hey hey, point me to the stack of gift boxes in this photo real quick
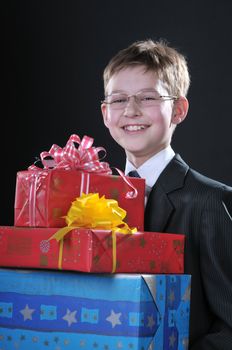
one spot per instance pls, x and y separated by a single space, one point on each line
88 286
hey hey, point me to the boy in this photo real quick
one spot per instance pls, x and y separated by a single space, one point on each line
145 99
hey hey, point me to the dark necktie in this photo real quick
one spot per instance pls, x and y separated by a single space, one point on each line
133 173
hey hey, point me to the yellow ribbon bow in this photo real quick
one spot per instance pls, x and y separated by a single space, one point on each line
94 212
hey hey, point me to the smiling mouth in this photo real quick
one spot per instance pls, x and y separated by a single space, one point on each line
134 127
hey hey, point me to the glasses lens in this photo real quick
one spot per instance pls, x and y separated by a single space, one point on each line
117 101
148 98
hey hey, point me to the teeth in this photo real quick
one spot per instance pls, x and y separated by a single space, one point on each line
134 127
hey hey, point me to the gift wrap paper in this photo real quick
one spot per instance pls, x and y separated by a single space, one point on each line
91 250
43 197
57 310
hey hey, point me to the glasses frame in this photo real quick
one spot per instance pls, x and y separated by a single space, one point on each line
159 98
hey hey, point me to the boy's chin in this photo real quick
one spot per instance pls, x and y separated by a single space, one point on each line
135 153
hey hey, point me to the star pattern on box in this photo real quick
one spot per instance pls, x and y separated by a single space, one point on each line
185 343
172 340
27 313
70 317
151 321
187 294
82 343
119 345
113 318
171 297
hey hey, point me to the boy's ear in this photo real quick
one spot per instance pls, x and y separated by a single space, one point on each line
180 110
104 114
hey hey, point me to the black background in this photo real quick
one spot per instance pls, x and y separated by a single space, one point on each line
54 55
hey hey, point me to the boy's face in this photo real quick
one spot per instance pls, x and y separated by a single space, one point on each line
141 131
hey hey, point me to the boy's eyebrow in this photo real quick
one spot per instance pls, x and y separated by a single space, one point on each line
117 92
124 92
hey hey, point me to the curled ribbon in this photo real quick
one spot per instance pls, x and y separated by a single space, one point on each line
84 157
94 212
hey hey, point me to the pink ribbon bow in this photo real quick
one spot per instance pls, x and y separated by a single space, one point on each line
84 157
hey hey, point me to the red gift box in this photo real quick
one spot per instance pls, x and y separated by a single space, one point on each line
92 251
44 196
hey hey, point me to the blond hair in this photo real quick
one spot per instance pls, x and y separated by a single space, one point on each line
169 65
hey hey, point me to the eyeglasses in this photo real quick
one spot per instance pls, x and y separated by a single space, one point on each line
142 98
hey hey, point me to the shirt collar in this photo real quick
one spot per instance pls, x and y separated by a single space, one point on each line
153 167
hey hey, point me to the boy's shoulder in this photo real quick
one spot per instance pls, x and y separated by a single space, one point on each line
206 183
179 174
206 187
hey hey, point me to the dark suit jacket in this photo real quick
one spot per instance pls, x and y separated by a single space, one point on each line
184 201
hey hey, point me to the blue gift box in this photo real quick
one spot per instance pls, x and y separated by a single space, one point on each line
69 311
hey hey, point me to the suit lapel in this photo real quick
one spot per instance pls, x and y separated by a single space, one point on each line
159 206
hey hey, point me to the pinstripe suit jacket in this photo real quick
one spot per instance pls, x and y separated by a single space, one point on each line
184 201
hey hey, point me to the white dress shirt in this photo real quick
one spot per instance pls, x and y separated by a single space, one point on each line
152 168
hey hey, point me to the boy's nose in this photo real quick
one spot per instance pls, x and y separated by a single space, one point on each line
132 108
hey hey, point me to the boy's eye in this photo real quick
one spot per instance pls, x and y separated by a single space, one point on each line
148 98
118 100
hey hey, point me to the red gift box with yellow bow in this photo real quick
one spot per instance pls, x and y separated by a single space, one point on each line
90 250
44 195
